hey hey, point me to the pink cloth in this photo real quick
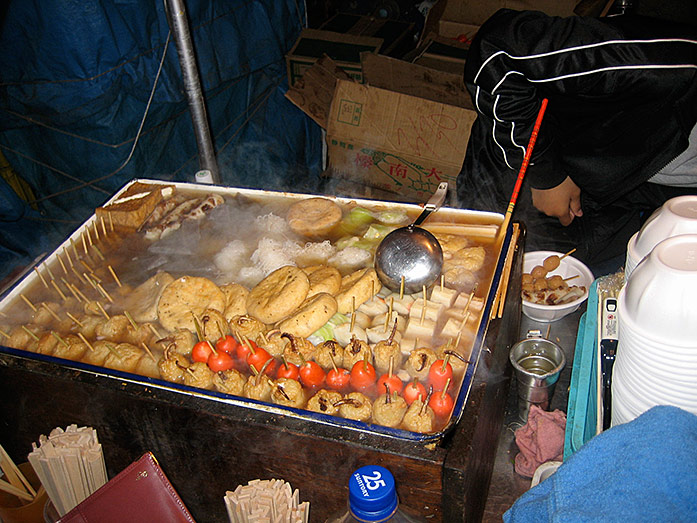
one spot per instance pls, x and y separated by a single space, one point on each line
540 440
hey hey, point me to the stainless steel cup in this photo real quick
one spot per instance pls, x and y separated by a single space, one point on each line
538 363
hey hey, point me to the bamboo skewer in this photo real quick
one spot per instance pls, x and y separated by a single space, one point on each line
103 226
80 324
36 338
152 357
26 300
84 340
65 270
101 309
58 290
116 279
41 276
105 293
51 312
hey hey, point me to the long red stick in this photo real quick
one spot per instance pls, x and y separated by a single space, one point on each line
523 168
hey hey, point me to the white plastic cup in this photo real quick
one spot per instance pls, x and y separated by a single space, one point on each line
205 176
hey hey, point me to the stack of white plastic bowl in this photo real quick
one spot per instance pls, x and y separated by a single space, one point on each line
676 216
656 362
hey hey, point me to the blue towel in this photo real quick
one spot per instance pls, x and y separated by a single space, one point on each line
644 470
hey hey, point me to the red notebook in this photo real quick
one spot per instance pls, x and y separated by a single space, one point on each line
141 492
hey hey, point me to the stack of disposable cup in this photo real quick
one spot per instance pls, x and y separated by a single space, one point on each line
656 362
676 216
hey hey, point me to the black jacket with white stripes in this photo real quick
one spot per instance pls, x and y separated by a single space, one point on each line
622 98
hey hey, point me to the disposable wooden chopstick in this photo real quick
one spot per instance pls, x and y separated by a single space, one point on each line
15 491
506 276
13 473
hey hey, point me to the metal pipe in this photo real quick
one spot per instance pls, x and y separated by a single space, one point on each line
179 24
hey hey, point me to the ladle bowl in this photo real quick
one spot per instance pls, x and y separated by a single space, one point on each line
410 257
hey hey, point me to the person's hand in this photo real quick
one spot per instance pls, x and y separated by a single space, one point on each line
562 202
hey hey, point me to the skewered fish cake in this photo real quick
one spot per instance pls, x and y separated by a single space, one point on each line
326 352
273 341
229 382
258 387
213 324
419 362
124 356
246 326
357 350
299 350
100 350
114 329
187 295
387 353
288 392
72 348
324 402
180 341
199 375
356 406
172 365
389 409
419 417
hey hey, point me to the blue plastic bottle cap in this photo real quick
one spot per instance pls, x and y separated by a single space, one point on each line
372 493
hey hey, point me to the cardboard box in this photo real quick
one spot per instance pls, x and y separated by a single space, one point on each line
460 19
343 49
313 92
404 131
396 34
444 54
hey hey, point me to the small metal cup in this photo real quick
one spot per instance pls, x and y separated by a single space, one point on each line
538 363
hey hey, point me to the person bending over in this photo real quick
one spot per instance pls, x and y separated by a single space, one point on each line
618 138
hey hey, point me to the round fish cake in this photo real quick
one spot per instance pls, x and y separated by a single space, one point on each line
236 300
323 278
357 288
187 295
313 217
278 295
311 315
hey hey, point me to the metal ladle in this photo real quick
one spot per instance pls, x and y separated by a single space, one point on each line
411 256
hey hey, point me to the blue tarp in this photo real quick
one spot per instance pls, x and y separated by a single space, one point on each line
75 79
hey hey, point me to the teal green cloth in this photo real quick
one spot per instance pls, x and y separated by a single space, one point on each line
644 470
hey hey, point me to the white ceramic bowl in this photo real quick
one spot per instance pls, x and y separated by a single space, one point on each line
676 216
658 299
568 267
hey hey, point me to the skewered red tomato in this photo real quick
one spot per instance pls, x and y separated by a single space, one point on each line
244 349
442 403
362 375
413 390
311 374
288 370
440 373
258 358
201 351
226 344
220 361
392 381
338 378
